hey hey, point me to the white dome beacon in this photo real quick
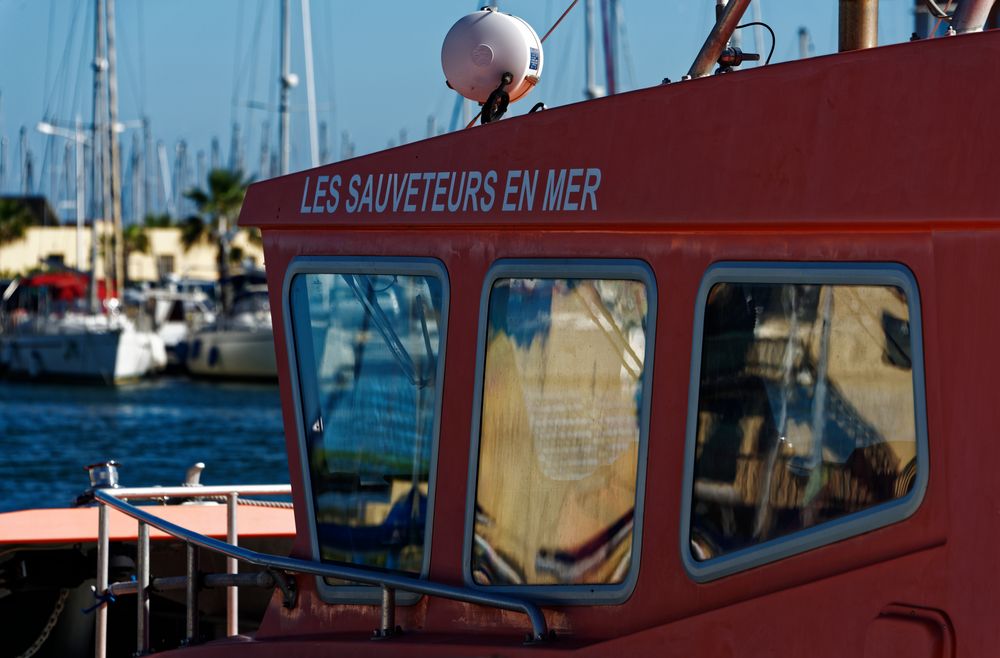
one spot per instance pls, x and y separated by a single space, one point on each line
492 58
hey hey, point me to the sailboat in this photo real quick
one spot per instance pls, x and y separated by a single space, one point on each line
240 343
46 335
67 324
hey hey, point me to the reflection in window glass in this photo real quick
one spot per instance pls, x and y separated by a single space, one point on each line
368 347
805 410
559 438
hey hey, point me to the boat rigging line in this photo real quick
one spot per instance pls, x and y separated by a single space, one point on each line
559 20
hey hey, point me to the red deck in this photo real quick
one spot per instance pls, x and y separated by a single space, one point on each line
79 524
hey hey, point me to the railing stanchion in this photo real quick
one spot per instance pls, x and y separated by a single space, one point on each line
191 594
232 567
142 592
388 626
101 614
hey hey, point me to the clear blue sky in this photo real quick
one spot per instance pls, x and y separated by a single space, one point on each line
192 66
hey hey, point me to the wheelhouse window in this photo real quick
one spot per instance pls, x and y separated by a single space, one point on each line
562 430
368 347
809 411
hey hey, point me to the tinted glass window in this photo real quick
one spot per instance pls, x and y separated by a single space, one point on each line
368 351
560 429
805 410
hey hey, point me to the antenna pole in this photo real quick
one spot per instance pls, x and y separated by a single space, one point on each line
858 24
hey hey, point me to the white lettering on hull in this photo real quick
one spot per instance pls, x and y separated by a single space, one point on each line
572 189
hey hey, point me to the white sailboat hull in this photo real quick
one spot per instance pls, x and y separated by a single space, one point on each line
233 354
108 355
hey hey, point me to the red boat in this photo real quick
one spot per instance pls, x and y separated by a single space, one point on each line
581 382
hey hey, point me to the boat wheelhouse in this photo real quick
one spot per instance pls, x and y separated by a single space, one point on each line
585 359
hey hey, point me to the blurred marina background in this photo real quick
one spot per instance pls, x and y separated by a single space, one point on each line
135 170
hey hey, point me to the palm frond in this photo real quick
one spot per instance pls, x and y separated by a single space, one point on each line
193 231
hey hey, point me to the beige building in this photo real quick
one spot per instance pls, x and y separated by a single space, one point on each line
166 253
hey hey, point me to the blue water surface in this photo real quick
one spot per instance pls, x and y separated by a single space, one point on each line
155 428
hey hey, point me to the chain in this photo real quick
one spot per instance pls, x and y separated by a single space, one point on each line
53 618
251 502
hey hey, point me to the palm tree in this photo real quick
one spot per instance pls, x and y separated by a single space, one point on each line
135 240
161 220
14 221
221 203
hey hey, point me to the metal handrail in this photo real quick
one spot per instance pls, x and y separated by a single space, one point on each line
106 591
198 491
387 581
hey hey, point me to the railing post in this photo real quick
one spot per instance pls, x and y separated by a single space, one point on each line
278 566
232 567
191 595
101 614
142 592
388 625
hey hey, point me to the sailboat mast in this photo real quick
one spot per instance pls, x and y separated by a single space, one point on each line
116 165
610 32
287 82
590 61
310 83
99 66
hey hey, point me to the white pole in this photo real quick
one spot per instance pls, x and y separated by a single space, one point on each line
287 82
161 151
590 50
307 45
758 31
81 188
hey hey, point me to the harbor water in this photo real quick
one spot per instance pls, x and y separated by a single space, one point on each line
155 428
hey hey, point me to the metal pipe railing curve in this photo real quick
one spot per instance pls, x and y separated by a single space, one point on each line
112 498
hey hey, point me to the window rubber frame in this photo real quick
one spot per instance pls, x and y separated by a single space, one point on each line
333 265
850 525
566 268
